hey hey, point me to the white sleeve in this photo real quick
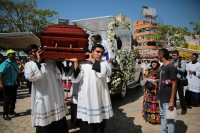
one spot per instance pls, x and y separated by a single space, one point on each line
110 54
32 72
198 70
105 69
90 44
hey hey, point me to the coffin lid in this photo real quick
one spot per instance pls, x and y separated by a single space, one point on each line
57 30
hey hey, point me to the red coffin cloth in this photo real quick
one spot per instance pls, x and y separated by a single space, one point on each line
64 41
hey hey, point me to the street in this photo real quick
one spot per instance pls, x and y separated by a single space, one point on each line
127 116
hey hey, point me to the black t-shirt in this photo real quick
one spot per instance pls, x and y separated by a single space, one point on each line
167 72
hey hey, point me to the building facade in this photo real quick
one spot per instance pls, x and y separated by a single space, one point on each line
123 19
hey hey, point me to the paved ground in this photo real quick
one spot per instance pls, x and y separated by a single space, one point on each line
127 117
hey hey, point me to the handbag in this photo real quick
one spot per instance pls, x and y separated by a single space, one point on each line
149 85
184 82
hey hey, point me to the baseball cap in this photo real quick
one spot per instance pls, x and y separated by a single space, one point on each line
10 51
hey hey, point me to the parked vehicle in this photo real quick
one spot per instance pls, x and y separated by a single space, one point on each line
99 25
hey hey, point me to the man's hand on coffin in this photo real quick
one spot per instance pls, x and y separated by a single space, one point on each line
90 59
191 72
109 60
74 61
38 54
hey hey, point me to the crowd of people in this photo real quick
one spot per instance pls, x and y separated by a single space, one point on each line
91 105
166 80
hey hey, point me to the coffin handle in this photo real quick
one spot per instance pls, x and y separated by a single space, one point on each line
56 46
70 47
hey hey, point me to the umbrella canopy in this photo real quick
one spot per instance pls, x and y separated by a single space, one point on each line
18 40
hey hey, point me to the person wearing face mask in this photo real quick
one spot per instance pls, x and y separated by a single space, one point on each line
192 94
151 112
8 82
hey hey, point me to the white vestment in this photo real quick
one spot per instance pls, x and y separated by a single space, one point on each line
47 95
193 81
94 102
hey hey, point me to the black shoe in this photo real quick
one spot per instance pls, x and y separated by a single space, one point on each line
184 111
14 113
6 117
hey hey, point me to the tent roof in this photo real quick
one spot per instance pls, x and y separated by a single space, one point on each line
18 40
21 53
97 24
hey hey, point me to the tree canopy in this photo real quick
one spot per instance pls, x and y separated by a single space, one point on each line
173 35
196 28
23 17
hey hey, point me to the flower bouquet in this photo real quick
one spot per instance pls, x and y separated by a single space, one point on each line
124 69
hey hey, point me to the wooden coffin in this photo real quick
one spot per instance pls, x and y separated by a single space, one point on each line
64 41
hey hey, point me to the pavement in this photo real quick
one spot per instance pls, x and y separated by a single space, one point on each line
127 116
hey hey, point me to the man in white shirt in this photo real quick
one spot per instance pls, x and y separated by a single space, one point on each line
192 94
108 54
91 42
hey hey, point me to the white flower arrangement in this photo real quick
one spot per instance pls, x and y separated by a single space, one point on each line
124 69
110 32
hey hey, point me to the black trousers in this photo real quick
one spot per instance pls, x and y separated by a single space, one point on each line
85 127
10 94
55 127
180 90
29 84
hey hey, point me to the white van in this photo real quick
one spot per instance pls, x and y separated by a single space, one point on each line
99 26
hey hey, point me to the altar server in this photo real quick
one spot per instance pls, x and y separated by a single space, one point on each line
49 110
94 104
192 95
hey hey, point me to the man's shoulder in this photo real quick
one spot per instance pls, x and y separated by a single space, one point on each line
170 65
104 41
5 62
29 63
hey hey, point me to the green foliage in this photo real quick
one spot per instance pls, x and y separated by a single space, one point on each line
23 16
134 42
127 26
173 35
196 28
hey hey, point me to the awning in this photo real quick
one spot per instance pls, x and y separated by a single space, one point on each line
21 53
18 40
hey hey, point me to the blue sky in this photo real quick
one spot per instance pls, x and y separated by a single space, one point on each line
175 12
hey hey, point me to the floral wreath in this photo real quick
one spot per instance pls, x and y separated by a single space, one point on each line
124 62
111 34
124 69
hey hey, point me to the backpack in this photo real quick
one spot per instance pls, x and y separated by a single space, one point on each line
184 74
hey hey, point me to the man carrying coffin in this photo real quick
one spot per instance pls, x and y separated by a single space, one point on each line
48 109
94 104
